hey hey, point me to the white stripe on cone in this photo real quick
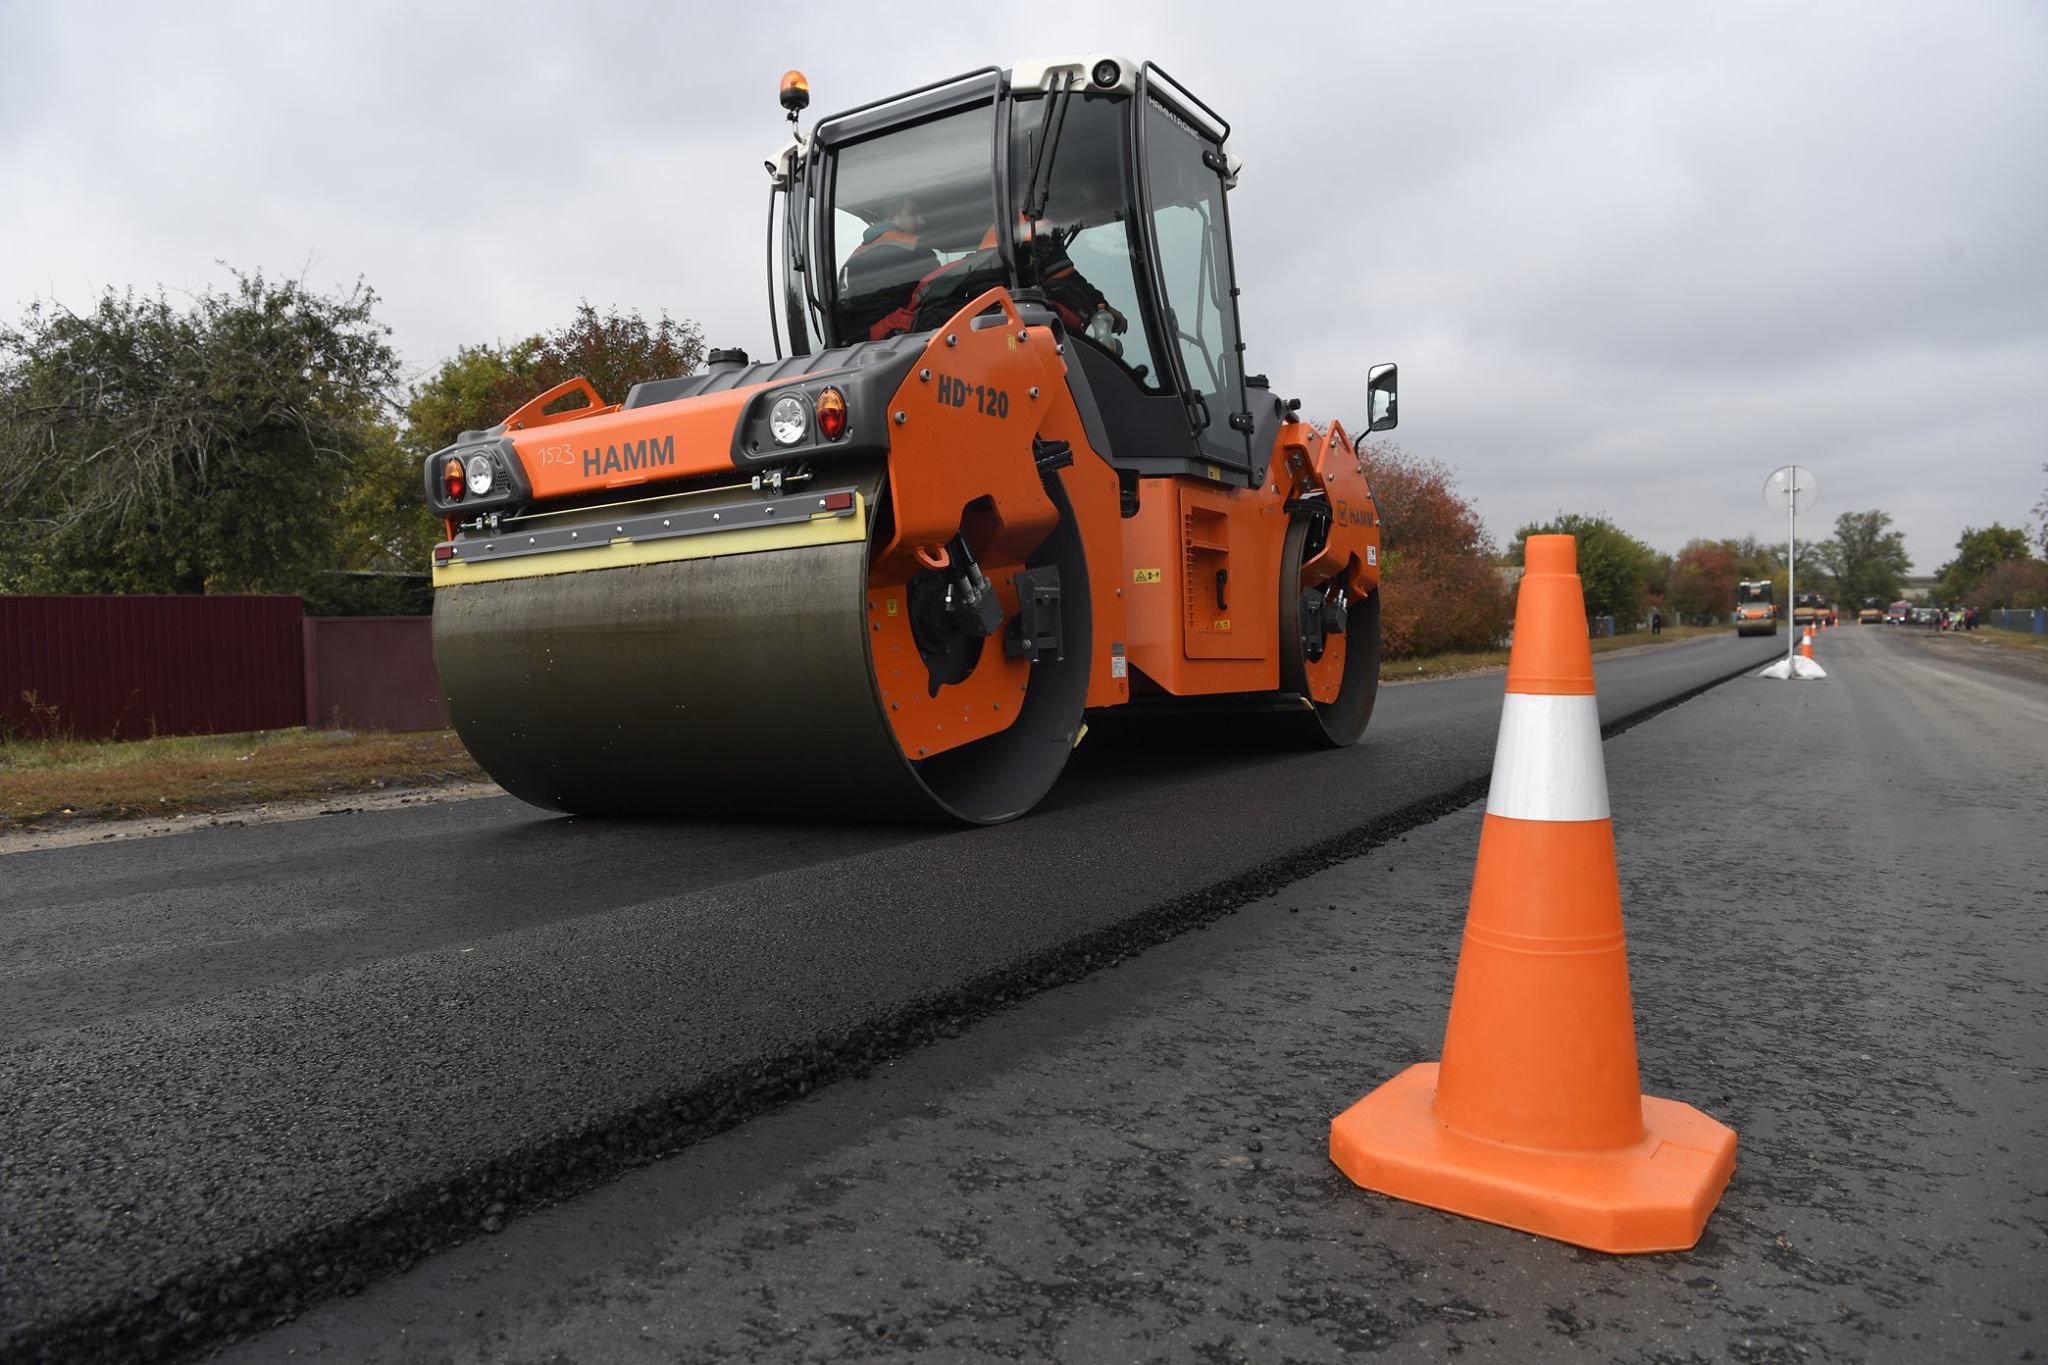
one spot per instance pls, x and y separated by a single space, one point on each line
1547 763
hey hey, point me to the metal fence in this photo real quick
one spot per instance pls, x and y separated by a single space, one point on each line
127 667
2033 622
130 666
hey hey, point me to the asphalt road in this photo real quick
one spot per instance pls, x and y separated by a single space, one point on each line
1835 897
248 1069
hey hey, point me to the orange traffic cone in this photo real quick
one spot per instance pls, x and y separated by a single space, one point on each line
1535 1119
1806 644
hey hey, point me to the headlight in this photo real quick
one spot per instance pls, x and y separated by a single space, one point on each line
481 474
788 420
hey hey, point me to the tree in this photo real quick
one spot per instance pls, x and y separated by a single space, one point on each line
148 448
2017 583
1439 587
1977 554
2041 515
1865 559
482 385
1703 577
1614 567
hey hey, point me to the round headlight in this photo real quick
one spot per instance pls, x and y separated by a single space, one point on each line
1106 74
788 420
481 474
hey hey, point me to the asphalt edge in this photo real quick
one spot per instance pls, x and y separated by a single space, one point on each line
209 1307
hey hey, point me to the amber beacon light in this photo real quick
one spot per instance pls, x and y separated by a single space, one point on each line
796 92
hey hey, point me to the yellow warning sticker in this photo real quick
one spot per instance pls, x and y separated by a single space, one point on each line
1215 473
1220 623
892 605
1144 575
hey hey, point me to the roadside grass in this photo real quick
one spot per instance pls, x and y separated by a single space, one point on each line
2009 639
58 779
1478 661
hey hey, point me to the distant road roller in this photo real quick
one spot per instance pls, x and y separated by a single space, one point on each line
1009 473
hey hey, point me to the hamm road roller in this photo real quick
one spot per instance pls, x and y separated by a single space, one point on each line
1006 471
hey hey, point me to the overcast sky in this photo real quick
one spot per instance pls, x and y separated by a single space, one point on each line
1630 257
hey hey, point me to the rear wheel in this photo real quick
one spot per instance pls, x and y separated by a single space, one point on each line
1336 671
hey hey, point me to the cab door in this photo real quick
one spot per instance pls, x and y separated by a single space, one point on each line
1187 236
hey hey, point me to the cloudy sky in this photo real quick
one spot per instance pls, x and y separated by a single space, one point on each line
1630 257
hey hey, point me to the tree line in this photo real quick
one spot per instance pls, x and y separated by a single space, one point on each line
261 437
264 437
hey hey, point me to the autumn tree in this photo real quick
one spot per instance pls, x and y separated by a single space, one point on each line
1978 552
1614 567
147 446
1703 578
2021 584
1439 588
1864 558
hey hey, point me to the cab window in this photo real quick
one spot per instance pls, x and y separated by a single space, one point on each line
905 203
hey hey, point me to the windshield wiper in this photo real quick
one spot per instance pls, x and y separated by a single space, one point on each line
1036 194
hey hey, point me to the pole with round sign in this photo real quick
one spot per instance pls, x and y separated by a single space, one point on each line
1794 489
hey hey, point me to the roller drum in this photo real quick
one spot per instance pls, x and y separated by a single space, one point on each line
726 686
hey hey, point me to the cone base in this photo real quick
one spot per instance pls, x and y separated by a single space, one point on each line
1653 1196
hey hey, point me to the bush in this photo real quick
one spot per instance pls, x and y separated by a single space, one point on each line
1439 587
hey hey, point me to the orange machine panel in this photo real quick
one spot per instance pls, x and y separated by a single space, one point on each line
1192 633
688 438
961 463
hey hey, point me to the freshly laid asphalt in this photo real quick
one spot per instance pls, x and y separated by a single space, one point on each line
1835 901
248 1069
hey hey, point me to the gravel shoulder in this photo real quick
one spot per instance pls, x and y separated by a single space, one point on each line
1835 942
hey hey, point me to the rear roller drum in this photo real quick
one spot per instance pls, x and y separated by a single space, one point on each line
1327 642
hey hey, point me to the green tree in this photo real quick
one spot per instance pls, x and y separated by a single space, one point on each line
146 447
2041 516
1865 558
1978 552
474 389
1614 566
482 385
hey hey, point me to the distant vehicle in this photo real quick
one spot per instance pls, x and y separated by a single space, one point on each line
1755 612
1898 613
1871 613
1811 609
1925 616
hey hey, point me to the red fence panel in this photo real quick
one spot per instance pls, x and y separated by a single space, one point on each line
131 666
372 673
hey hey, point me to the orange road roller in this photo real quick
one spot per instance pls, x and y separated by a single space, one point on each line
1005 473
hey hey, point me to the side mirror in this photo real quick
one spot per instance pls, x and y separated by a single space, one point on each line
1383 405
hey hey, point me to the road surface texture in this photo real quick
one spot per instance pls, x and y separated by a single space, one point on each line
1835 902
247 1069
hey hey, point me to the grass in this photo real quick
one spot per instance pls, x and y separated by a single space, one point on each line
2008 639
57 779
1477 661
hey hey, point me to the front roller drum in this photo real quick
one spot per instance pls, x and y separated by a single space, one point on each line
734 685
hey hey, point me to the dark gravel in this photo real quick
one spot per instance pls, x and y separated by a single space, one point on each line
1835 904
252 1068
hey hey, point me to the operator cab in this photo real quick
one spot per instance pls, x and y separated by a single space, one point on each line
1094 189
